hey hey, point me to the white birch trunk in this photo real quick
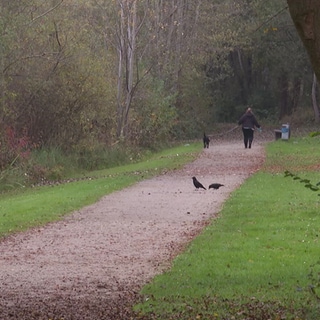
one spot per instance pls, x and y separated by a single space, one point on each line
131 52
120 51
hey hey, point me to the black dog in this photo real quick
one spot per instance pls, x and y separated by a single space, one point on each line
206 141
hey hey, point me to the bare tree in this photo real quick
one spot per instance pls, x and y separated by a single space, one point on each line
128 70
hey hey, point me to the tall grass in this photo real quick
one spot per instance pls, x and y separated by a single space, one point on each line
52 164
260 258
23 208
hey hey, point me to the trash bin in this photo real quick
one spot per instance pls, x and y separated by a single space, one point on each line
285 132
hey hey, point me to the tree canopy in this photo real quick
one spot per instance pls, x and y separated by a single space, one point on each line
75 73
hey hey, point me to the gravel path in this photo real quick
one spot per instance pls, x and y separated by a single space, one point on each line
83 266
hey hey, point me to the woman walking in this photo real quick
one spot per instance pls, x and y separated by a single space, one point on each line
249 123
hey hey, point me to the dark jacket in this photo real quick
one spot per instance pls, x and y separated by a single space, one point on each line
248 120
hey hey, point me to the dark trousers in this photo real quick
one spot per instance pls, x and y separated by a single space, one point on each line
247 136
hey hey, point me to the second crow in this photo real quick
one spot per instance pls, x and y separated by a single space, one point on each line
215 186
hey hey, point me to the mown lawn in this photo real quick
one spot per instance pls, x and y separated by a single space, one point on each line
261 258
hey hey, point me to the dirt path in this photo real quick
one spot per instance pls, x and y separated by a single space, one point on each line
80 267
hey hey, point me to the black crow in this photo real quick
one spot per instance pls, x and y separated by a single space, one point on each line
197 184
206 141
215 186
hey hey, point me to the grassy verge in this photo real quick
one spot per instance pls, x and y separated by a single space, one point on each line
260 259
31 207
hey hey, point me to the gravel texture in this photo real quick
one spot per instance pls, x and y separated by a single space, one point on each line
91 264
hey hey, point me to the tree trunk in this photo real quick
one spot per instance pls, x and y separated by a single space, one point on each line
306 18
120 51
295 94
126 48
131 51
284 107
314 100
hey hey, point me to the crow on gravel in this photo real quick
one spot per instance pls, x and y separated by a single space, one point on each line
215 186
197 184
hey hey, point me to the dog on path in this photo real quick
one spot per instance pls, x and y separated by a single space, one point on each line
206 141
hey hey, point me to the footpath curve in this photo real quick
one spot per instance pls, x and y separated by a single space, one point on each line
89 264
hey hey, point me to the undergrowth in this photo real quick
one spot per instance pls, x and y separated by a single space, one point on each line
47 165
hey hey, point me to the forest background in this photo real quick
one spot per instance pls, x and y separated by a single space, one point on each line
90 83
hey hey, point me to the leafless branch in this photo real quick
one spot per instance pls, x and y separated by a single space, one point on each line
44 55
46 12
267 21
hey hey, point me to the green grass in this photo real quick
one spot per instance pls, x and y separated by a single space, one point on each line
255 260
299 155
22 209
